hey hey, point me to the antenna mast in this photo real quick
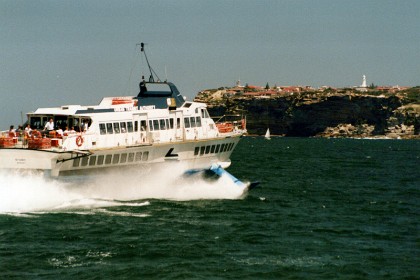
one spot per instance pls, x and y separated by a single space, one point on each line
151 78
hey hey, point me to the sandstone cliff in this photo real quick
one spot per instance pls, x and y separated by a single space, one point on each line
335 115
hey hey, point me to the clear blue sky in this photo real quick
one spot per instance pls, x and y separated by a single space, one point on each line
75 52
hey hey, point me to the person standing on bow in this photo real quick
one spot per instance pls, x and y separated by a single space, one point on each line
49 126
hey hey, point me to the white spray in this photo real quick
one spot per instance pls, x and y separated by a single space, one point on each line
31 192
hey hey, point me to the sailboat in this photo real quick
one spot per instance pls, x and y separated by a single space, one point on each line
267 134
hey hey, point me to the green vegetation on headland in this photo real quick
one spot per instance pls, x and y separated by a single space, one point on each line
391 112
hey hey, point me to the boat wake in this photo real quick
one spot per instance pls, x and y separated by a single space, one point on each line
34 192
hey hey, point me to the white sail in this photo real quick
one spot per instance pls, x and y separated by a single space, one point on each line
267 134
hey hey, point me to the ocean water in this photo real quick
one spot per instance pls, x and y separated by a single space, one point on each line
325 209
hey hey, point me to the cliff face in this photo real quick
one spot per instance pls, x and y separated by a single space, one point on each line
330 116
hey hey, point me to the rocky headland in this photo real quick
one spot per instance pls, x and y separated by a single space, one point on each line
321 113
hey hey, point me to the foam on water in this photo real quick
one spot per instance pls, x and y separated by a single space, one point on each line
32 191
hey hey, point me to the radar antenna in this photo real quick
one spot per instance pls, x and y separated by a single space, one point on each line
151 78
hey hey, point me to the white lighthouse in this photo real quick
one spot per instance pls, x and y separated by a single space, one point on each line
364 82
363 86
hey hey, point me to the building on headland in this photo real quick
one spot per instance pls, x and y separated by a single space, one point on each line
249 91
363 87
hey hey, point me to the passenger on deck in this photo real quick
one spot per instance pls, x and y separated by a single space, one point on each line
12 131
19 131
59 132
49 126
28 130
72 131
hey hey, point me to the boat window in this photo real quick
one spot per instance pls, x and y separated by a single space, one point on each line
162 124
92 160
196 151
76 124
178 123
116 127
100 160
156 124
145 156
187 104
151 125
102 128
231 146
130 157
76 162
35 122
192 120
123 127
171 123
109 129
206 114
213 147
123 158
84 161
198 121
136 126
138 156
187 122
167 124
207 149
217 148
196 110
44 121
143 125
202 150
130 126
116 159
108 159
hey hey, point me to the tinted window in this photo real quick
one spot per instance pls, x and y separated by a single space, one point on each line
123 127
109 129
108 159
130 126
138 156
162 124
155 124
100 160
213 147
151 125
76 162
123 158
198 121
116 127
116 159
130 157
187 122
92 160
102 128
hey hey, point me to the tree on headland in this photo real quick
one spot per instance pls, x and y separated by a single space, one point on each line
267 86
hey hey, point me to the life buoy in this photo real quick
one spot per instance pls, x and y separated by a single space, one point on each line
79 141
36 134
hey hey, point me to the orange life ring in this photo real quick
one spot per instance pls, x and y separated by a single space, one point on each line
79 141
36 134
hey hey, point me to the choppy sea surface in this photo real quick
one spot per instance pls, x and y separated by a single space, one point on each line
325 209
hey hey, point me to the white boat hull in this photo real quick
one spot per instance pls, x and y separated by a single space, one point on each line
191 154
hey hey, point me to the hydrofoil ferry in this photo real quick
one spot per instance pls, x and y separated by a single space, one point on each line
156 127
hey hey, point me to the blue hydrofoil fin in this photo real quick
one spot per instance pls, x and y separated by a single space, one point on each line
216 172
